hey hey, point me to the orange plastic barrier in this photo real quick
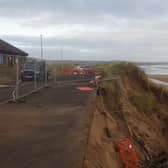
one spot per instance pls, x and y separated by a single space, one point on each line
96 79
85 88
127 153
67 71
92 82
70 71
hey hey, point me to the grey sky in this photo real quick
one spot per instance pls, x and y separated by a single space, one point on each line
88 29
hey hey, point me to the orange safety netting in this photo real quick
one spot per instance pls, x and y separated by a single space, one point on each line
85 88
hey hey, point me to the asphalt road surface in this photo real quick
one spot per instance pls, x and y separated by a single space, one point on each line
48 130
28 86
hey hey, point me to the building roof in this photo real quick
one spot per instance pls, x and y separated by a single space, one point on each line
6 48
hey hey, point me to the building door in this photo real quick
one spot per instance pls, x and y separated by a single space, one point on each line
10 61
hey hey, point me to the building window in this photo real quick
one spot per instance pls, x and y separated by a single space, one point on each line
2 59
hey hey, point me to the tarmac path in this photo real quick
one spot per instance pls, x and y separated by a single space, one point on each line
48 130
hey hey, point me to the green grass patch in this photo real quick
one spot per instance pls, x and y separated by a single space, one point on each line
144 102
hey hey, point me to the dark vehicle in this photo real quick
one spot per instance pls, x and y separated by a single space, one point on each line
32 70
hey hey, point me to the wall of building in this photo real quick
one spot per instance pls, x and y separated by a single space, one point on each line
8 68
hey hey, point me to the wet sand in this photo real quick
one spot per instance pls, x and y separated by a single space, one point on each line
163 78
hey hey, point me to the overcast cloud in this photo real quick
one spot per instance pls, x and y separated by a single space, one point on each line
131 30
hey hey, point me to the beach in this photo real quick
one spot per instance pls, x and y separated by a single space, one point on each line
156 71
163 78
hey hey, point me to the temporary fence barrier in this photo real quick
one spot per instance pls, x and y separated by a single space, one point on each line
29 78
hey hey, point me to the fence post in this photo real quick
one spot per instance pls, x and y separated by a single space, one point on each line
55 76
46 74
17 77
35 76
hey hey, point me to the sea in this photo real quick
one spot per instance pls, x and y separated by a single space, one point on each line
155 68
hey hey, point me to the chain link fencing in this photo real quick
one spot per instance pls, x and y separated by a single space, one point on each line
24 79
34 75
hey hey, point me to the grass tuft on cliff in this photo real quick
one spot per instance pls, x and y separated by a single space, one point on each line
141 91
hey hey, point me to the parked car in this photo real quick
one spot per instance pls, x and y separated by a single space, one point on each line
32 70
